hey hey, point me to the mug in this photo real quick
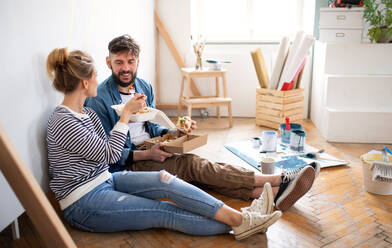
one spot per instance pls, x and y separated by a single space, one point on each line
267 165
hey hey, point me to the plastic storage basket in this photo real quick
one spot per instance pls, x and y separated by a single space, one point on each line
370 185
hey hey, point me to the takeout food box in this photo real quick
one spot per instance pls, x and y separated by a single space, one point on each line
175 144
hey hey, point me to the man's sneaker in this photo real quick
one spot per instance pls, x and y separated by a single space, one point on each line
294 185
316 167
253 222
264 204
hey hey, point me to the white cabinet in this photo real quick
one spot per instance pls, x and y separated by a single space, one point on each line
341 25
352 92
352 81
341 18
341 35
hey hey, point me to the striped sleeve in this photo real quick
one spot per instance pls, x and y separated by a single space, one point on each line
80 136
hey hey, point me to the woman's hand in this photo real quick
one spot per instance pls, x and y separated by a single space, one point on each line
135 104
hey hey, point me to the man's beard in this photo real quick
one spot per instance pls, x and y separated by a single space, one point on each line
122 84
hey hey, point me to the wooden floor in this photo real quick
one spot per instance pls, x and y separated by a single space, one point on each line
337 212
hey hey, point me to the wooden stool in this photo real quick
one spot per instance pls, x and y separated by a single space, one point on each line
204 101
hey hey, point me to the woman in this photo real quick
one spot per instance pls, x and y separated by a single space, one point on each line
95 200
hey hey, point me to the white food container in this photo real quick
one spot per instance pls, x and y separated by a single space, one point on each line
154 116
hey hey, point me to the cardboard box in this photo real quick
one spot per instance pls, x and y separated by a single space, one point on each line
273 106
182 144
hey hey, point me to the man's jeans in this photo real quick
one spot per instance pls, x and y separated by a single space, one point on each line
229 180
127 201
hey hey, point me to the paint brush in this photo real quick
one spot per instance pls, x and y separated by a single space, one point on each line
312 155
387 149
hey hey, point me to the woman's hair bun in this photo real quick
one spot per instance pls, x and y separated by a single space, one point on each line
67 69
57 59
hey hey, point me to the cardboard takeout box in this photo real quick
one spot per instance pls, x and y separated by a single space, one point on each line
182 144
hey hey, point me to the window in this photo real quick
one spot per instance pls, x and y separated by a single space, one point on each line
251 20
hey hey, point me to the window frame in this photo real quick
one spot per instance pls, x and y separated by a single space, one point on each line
197 24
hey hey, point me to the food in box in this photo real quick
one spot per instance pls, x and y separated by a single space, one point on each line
178 144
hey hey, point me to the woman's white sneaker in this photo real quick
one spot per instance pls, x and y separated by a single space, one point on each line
253 222
264 204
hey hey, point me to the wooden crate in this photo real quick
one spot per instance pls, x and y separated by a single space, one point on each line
273 106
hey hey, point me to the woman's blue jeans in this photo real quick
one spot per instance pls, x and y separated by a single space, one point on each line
128 201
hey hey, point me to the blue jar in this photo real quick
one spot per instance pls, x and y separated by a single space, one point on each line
285 134
297 140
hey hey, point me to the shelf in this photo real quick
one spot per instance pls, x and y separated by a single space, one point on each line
359 126
355 58
203 73
352 92
207 102
358 91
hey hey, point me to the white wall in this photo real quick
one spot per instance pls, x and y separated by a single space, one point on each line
30 30
175 14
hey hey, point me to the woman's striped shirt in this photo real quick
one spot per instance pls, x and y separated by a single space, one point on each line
79 152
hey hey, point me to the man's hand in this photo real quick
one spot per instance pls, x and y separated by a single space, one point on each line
193 127
156 154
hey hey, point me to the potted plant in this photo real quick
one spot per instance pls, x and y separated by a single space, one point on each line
378 13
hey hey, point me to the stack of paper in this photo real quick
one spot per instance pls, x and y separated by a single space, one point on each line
289 63
295 59
279 62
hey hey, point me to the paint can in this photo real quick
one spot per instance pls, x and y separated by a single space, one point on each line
268 141
256 142
297 140
285 134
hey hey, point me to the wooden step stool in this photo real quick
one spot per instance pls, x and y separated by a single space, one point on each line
204 101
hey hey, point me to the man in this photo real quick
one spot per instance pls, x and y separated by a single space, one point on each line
234 181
